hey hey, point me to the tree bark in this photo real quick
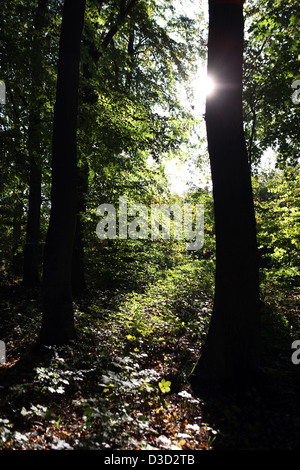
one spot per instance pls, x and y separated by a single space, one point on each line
31 274
58 316
231 349
31 266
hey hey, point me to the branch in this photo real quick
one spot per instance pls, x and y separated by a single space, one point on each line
124 11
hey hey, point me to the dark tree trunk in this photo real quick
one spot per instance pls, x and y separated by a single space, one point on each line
58 315
16 260
31 266
232 345
31 275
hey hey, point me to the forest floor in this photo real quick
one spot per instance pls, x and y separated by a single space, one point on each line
123 383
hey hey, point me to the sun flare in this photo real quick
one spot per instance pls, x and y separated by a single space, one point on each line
209 86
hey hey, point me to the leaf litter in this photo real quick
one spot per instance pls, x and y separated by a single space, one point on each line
123 384
120 385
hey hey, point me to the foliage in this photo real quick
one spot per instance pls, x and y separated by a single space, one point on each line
110 391
28 68
277 206
129 109
122 383
271 66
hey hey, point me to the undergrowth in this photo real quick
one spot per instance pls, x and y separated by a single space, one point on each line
123 383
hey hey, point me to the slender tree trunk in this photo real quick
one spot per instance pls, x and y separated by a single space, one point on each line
16 264
232 345
31 274
58 315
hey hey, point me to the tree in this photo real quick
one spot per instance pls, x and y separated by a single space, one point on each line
31 275
277 206
134 62
271 69
58 316
27 56
231 346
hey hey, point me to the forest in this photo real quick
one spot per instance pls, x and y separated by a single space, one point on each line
141 310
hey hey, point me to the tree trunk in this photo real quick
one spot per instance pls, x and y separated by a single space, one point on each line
31 275
31 268
16 263
232 345
58 315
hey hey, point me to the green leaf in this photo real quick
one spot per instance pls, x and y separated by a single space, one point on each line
165 386
131 337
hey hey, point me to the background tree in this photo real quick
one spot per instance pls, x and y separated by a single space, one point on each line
58 318
271 66
123 125
135 113
32 251
28 65
277 199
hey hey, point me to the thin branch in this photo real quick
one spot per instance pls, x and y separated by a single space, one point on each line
124 11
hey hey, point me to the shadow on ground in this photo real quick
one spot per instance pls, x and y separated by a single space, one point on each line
264 414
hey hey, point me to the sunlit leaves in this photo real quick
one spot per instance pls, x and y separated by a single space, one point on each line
277 208
164 386
271 66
